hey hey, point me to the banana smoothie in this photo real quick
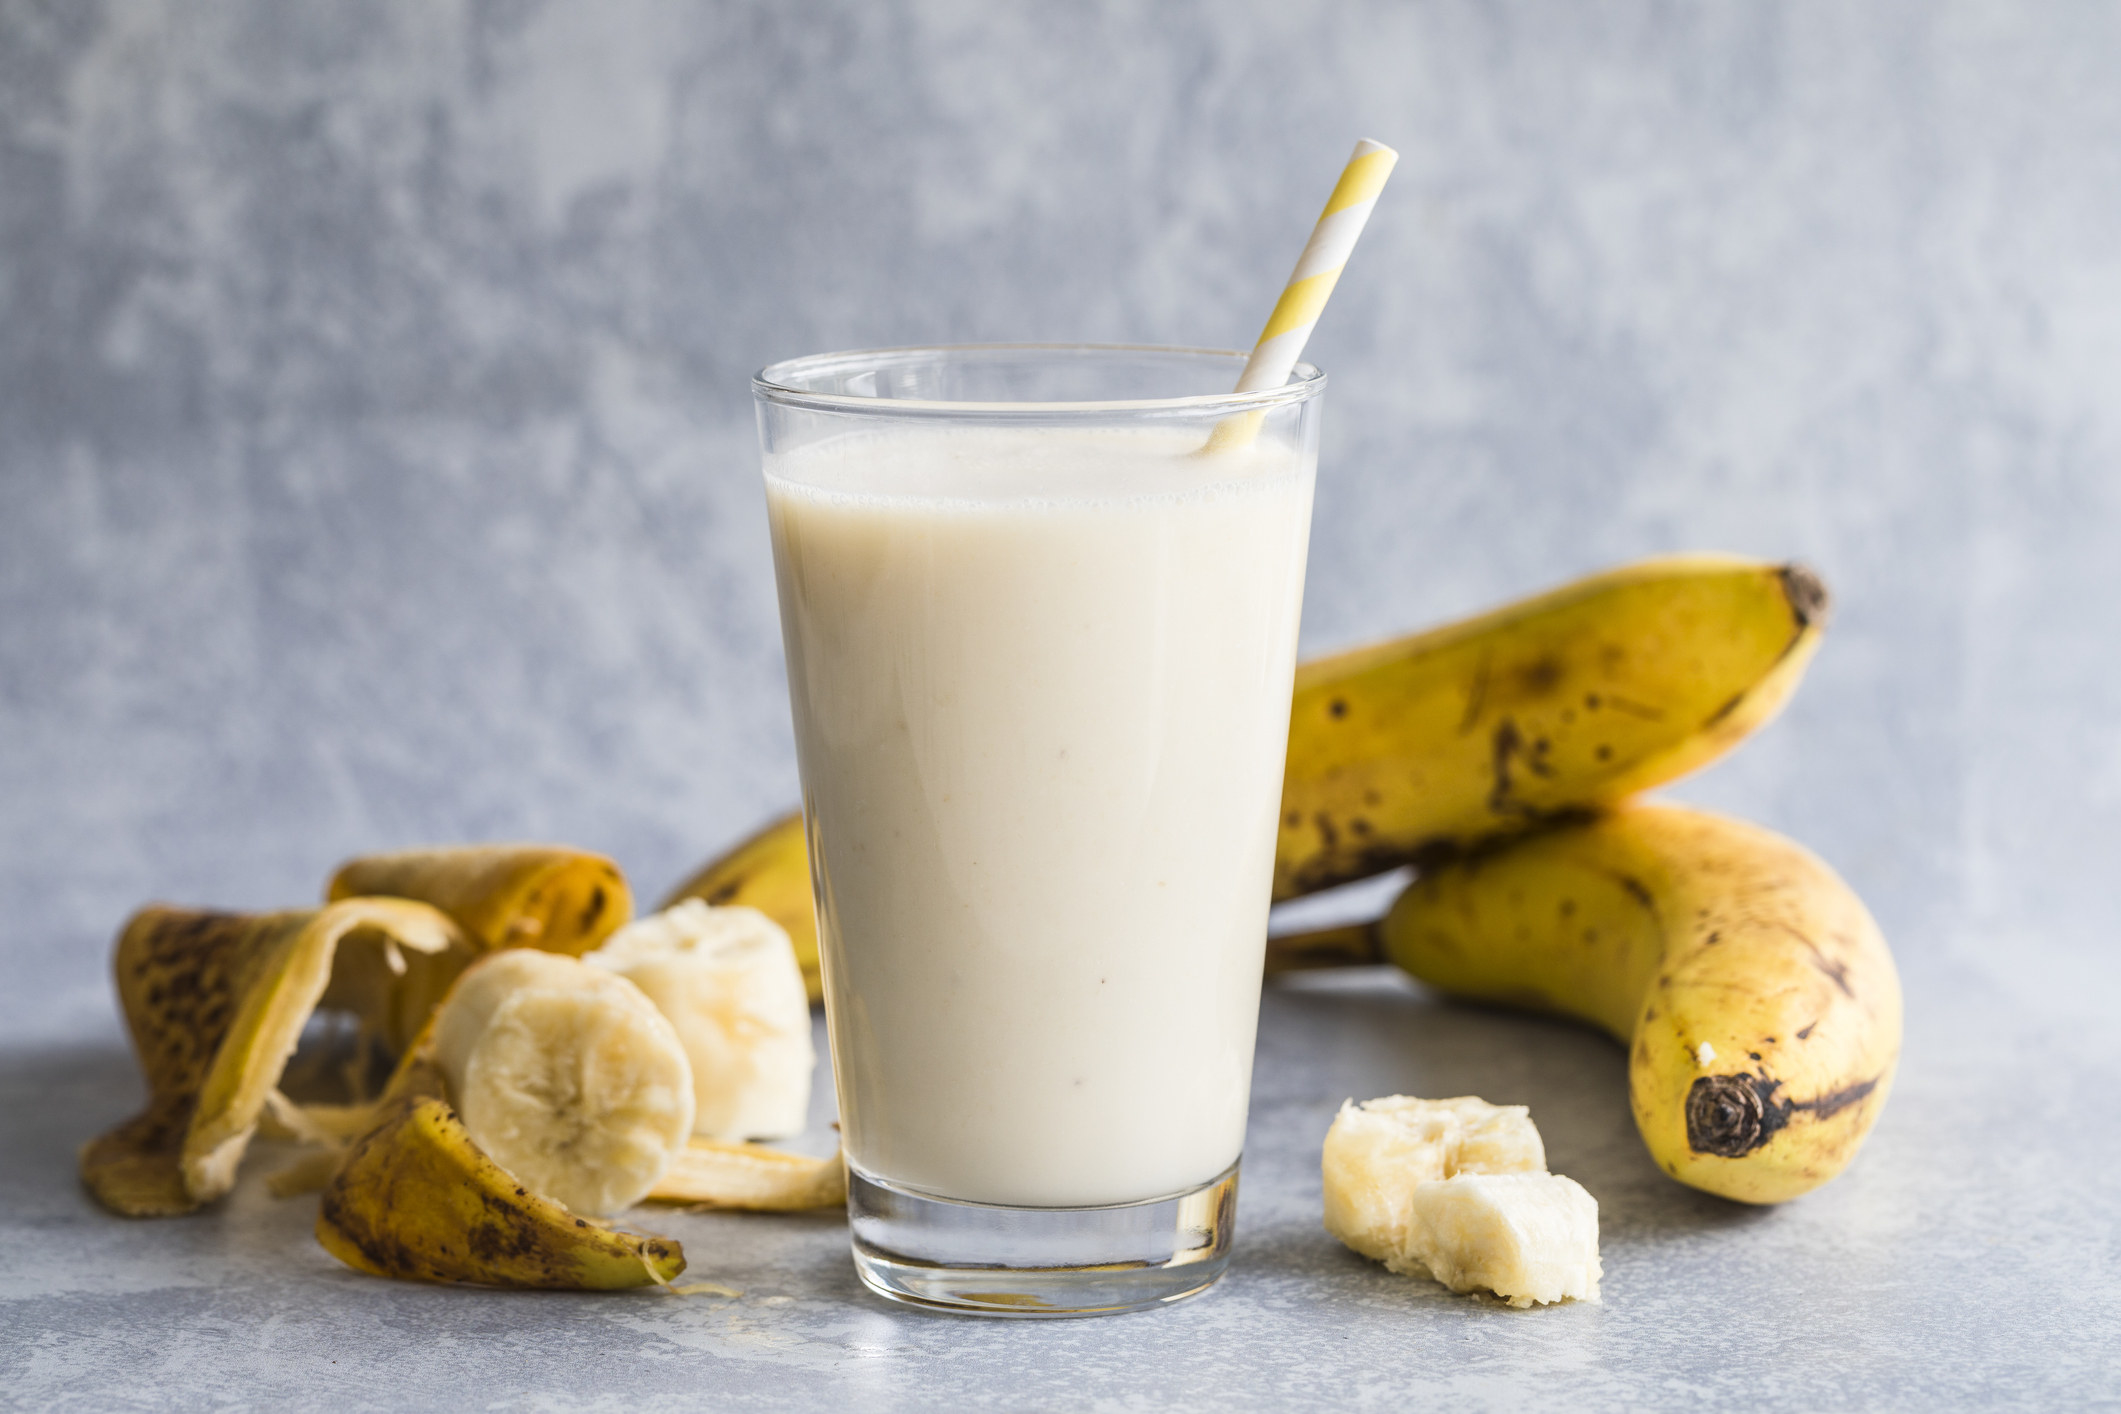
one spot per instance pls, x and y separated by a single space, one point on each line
1040 680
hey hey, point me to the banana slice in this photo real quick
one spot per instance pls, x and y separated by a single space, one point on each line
566 1076
1458 1189
728 980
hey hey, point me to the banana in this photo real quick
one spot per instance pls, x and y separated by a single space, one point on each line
1415 749
543 896
216 1003
727 980
1527 1237
769 871
1459 1190
566 1076
415 1197
1418 748
1755 994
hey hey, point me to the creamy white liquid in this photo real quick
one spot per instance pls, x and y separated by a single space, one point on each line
1041 692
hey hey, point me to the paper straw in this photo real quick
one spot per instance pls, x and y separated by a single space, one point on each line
1311 283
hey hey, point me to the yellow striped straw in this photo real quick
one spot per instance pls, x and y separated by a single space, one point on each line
1311 283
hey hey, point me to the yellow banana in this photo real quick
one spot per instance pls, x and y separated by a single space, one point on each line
770 871
1418 748
1754 992
415 1198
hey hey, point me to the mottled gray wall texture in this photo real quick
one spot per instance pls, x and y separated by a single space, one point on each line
376 457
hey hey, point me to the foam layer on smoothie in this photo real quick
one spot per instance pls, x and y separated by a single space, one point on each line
1024 468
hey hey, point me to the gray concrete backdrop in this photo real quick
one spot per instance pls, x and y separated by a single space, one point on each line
376 457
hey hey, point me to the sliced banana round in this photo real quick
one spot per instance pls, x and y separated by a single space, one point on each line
566 1076
728 980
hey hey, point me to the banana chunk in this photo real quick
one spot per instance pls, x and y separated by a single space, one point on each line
1378 1151
566 1076
729 982
1527 1237
1458 1189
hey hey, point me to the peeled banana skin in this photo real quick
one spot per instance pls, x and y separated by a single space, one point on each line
216 1003
769 871
415 1198
752 1178
504 895
548 897
1419 748
1757 998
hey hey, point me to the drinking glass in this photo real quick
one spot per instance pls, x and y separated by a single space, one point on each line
1040 618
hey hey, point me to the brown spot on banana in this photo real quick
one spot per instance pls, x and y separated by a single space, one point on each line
1836 971
1507 743
1540 676
598 901
1328 836
1725 710
1827 1106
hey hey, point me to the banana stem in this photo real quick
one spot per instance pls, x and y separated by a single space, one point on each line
1349 945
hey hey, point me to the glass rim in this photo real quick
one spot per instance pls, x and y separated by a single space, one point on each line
1306 381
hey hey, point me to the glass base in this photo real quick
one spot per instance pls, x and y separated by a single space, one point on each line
986 1259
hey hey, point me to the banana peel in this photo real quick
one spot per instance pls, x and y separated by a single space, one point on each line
216 1003
415 1198
751 1178
501 896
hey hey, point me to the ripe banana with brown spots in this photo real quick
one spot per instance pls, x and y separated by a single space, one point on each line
1755 994
1421 747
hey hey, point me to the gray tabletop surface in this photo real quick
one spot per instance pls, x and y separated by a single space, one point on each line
376 468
